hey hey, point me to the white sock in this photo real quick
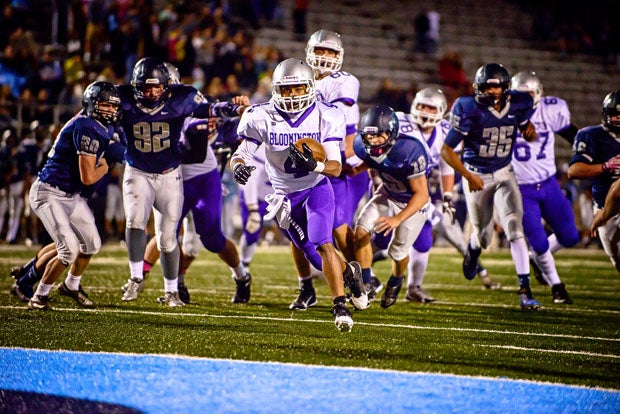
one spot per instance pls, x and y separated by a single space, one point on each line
73 281
520 255
546 262
416 268
43 289
171 285
246 252
554 244
239 271
135 269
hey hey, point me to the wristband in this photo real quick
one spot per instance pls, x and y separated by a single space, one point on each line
320 167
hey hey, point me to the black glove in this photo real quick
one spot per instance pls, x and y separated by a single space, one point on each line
225 110
448 207
304 159
242 172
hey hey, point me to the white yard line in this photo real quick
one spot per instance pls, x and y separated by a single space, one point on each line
552 351
276 319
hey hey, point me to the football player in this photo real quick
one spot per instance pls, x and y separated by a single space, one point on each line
534 166
58 197
325 54
303 200
487 124
425 122
400 205
202 204
154 111
596 156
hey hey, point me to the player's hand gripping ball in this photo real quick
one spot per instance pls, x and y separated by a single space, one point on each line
306 153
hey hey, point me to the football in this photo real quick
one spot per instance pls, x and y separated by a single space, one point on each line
318 151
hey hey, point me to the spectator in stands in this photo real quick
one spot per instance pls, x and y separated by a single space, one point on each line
426 28
453 77
300 16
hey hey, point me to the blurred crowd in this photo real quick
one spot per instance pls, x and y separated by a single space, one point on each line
212 44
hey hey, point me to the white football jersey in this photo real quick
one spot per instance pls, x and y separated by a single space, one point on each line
190 171
434 140
264 124
534 162
341 89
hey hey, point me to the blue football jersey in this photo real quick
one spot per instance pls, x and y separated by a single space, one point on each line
594 145
153 137
407 159
488 136
80 136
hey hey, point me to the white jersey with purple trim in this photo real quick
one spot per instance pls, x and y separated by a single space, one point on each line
534 162
209 164
434 140
341 89
276 130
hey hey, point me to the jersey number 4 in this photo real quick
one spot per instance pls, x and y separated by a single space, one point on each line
151 137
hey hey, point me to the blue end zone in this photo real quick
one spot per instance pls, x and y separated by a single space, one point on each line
158 384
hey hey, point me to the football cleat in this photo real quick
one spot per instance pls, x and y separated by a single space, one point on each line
470 263
376 283
145 276
486 280
171 299
370 292
342 317
305 300
417 294
16 291
560 295
526 299
17 272
242 294
390 295
39 302
79 296
352 276
134 286
183 293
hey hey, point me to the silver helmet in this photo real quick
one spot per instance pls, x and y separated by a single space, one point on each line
527 82
432 97
293 72
175 76
328 40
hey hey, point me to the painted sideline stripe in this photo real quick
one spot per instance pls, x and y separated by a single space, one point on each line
553 351
276 319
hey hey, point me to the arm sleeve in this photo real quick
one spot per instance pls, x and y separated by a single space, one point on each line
245 152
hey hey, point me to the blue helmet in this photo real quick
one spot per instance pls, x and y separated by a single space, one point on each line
378 119
491 74
98 92
146 73
611 108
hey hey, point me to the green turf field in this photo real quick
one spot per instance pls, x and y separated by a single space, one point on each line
468 331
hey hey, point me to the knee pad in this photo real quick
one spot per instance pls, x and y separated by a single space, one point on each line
167 243
514 227
192 245
68 251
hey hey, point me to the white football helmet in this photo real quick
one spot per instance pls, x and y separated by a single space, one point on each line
527 82
432 97
328 40
293 72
